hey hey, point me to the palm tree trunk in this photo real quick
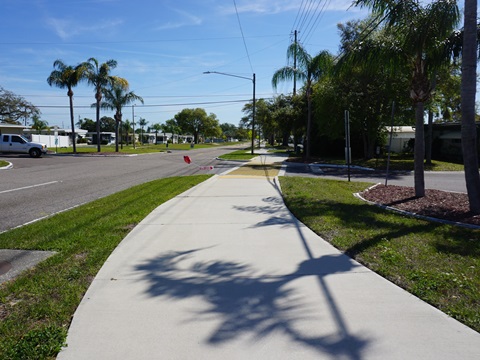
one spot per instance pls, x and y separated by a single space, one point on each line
468 91
309 122
419 150
72 124
98 97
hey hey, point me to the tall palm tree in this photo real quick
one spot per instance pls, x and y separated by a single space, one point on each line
66 76
116 96
469 131
307 69
421 33
98 75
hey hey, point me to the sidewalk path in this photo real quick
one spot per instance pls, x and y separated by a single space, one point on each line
224 271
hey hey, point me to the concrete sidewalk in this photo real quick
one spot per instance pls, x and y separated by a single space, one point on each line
224 271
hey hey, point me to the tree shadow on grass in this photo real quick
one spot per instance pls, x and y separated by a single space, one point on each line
244 303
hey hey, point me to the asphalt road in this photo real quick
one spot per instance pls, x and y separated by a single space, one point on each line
36 188
440 180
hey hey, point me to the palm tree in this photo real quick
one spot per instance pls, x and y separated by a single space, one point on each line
308 69
421 33
116 96
98 75
127 126
66 76
469 131
142 122
156 128
38 124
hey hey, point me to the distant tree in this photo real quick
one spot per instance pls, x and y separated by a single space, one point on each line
14 108
229 130
127 127
38 124
116 96
87 124
98 75
142 122
196 122
107 124
156 127
66 77
308 69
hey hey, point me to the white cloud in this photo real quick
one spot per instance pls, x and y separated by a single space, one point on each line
279 6
66 29
186 19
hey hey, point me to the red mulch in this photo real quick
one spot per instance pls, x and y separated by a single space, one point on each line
436 203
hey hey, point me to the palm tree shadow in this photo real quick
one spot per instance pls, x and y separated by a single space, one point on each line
244 303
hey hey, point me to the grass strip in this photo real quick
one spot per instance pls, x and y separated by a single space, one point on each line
37 307
239 155
398 162
139 149
438 263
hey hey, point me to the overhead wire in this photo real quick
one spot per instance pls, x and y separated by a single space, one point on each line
243 36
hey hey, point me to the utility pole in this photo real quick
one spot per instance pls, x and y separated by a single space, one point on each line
295 66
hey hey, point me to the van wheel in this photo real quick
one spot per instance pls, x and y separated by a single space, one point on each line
35 153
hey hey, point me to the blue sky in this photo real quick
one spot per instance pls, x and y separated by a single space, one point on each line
162 48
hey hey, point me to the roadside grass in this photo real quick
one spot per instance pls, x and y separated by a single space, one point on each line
3 163
239 155
37 307
139 149
398 162
435 262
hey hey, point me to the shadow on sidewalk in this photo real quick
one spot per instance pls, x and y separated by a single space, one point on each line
246 303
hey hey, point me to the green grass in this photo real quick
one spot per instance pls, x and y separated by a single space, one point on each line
128 149
37 307
239 155
438 263
398 162
3 163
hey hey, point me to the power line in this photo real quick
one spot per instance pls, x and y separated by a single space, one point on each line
243 36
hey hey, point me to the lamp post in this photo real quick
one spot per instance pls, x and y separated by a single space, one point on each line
133 124
252 79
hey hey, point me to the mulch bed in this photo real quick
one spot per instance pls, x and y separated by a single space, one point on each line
436 203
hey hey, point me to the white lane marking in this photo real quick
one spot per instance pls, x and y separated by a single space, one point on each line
29 187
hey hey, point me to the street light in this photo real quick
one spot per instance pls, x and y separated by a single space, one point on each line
133 124
252 79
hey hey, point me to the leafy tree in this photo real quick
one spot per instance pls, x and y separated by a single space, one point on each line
116 96
87 124
107 124
196 122
66 77
308 69
367 90
98 75
469 131
262 116
229 130
421 46
13 108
